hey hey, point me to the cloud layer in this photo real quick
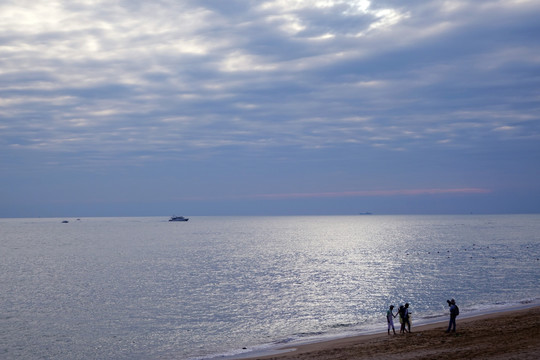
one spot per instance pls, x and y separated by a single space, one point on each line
90 85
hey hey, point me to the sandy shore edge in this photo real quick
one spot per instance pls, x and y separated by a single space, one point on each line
512 333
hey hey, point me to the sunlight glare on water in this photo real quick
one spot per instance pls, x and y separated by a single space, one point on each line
139 288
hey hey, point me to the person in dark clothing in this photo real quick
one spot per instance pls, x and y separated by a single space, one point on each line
454 311
406 317
403 318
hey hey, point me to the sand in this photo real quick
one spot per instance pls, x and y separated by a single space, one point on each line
505 335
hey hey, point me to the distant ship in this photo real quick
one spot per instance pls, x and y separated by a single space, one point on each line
178 218
365 213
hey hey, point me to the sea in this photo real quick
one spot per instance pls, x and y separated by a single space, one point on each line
228 287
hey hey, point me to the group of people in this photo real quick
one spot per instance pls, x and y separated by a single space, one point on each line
405 317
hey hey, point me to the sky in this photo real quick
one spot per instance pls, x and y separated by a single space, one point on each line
278 107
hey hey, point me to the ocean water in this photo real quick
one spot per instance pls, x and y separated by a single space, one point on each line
146 288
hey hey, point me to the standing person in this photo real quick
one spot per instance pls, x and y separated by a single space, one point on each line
401 313
406 317
454 311
390 319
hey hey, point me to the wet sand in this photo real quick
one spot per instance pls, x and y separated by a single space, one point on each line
504 335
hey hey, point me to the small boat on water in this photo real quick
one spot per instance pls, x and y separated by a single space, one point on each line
65 222
178 218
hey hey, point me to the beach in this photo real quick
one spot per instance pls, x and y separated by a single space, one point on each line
503 335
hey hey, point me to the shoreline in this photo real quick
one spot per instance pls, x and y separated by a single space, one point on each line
513 333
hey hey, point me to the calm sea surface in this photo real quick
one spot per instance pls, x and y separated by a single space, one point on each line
146 288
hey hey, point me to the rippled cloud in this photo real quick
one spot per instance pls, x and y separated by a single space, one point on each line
95 83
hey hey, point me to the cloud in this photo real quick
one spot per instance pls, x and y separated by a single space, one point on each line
93 85
263 70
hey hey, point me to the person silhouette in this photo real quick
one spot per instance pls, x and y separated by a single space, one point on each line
390 319
454 311
406 317
402 315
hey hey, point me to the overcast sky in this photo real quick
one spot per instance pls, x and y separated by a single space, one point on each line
239 107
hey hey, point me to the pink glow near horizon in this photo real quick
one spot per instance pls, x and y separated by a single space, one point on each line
336 194
376 193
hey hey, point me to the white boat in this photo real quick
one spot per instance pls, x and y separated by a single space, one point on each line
178 218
